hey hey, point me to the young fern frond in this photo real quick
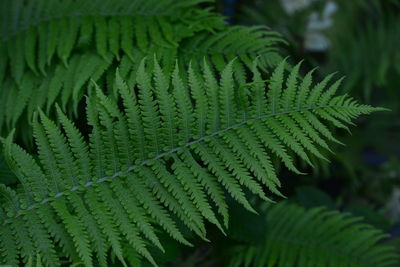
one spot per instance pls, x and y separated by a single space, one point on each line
315 237
170 154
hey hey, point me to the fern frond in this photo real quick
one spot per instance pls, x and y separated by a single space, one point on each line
315 237
76 16
38 36
147 166
220 48
50 55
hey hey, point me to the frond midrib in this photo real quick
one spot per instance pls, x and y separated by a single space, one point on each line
161 155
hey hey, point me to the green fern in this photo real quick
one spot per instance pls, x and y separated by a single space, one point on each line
245 43
315 237
170 154
51 55
34 32
38 38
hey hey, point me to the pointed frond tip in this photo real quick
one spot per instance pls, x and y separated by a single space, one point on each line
163 154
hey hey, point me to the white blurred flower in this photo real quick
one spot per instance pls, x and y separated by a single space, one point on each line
315 40
393 206
292 6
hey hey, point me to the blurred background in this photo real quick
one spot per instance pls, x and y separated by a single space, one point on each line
360 40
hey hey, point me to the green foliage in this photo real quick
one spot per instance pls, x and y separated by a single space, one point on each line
364 72
50 52
6 175
315 237
185 118
362 40
180 142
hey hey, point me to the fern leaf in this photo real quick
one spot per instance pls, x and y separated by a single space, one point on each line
196 193
224 177
56 183
96 150
29 48
257 92
133 118
126 36
155 210
141 33
300 237
25 244
166 104
316 92
76 229
209 183
42 40
212 89
78 147
226 96
304 89
51 40
34 180
113 36
201 102
101 36
55 86
9 248
62 153
69 38
182 100
136 213
17 59
291 85
93 229
275 88
143 168
251 152
167 194
24 95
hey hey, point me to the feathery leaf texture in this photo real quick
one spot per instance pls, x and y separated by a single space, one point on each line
315 237
169 150
49 52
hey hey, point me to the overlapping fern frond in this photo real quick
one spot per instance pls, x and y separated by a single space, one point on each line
219 48
34 32
39 37
50 52
170 154
315 237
